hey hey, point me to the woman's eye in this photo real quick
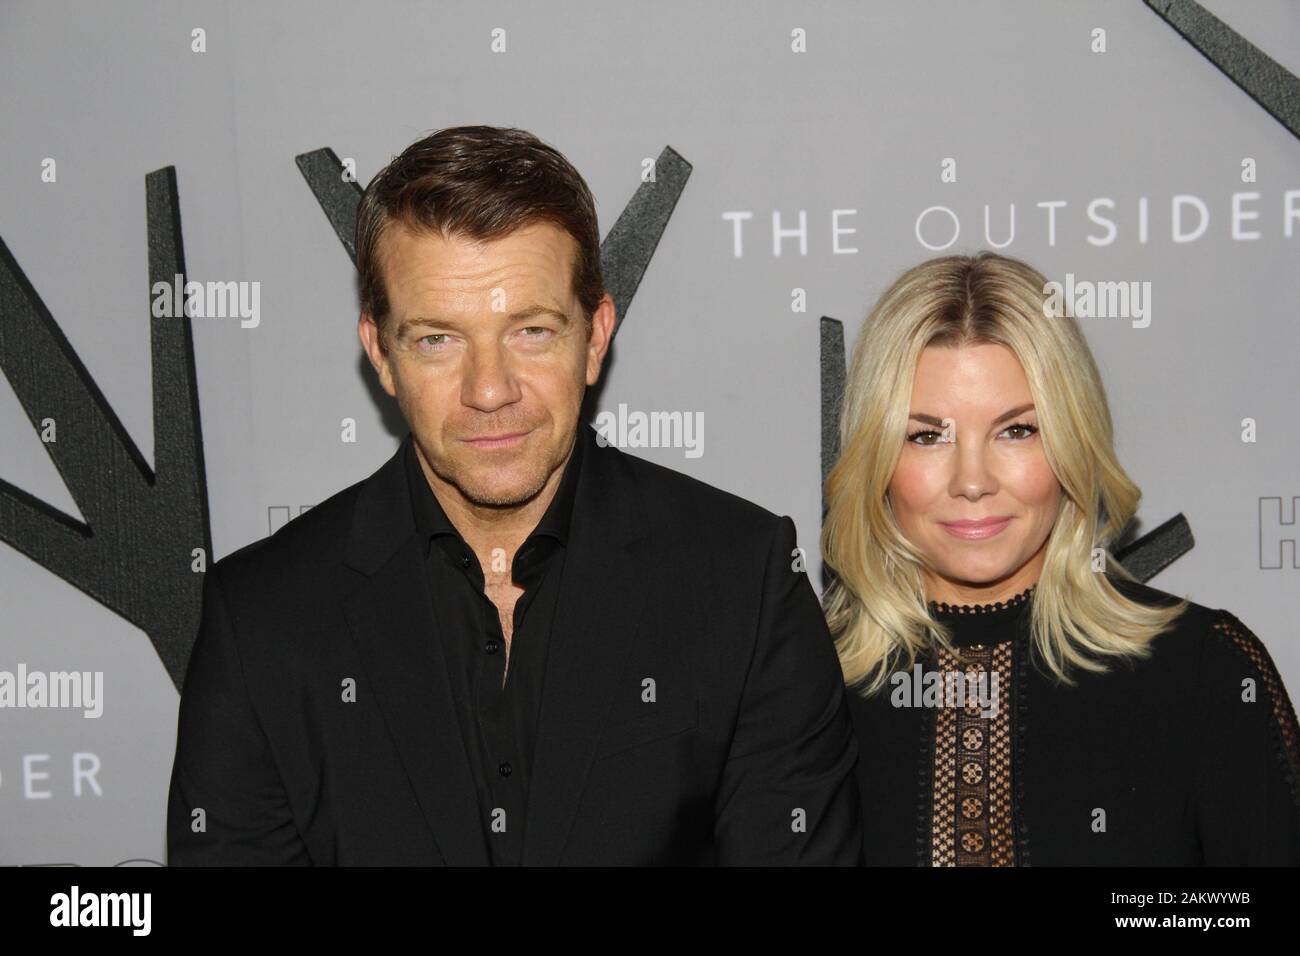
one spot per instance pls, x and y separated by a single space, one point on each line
1024 427
938 436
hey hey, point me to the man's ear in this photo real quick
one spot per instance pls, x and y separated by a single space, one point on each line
603 321
368 332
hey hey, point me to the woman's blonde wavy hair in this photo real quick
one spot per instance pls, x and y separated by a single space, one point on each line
876 602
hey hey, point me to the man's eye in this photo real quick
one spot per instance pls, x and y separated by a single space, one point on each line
538 329
435 335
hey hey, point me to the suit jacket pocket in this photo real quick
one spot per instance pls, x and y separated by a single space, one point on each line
663 718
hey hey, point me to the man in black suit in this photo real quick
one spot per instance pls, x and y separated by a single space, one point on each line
512 644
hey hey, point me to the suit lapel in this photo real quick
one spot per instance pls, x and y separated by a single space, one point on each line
391 616
601 602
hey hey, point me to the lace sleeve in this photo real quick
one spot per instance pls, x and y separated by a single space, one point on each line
1248 790
1280 709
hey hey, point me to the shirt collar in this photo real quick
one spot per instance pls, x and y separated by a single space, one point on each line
431 520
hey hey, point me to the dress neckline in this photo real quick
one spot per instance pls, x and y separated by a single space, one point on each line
996 607
980 624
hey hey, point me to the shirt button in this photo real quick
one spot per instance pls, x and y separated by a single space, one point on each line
491 646
464 560
504 769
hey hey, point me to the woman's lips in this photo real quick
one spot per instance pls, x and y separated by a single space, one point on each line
975 530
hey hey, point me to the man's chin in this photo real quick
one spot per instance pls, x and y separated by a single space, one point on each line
497 493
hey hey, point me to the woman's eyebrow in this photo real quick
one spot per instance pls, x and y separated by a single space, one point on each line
1010 413
928 419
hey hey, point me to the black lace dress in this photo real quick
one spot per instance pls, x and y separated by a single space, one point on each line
1190 757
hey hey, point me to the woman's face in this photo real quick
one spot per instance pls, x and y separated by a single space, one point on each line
973 489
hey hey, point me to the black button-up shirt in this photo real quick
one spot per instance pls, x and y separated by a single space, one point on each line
498 706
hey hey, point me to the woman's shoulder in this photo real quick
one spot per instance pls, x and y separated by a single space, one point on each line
1212 643
1145 594
1232 682
1231 664
1200 629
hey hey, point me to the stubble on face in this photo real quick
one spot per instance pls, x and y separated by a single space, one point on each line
467 362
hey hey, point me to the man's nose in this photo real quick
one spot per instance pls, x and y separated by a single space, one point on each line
488 382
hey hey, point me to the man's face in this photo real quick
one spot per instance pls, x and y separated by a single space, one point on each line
489 355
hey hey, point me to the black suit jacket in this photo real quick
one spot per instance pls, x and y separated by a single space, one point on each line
316 724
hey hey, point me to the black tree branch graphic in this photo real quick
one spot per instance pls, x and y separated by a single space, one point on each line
134 553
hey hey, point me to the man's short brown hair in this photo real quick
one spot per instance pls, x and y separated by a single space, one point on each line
482 183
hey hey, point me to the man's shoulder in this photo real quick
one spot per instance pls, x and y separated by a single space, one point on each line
678 498
305 545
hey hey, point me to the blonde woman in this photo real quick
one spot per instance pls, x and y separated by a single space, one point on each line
1018 697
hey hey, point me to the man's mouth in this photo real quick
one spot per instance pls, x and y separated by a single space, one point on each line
499 440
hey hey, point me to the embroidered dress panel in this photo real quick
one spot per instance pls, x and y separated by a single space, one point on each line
973 810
